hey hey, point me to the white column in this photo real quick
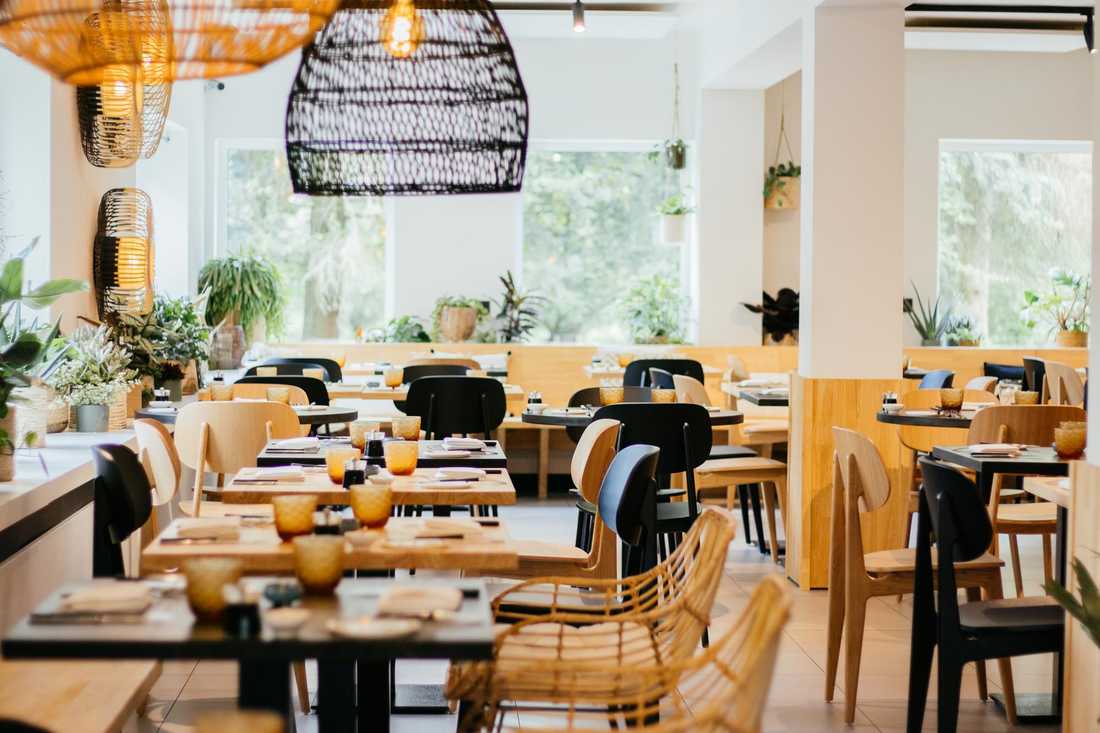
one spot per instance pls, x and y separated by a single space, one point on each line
1094 352
852 209
727 269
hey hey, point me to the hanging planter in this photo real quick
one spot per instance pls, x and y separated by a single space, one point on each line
674 212
782 184
673 150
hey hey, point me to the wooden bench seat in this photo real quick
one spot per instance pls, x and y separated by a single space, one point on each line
90 697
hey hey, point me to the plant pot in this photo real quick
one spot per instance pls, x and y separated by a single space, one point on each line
57 419
92 418
174 387
676 157
970 342
457 324
7 455
673 228
191 377
32 415
227 347
785 193
930 342
1074 339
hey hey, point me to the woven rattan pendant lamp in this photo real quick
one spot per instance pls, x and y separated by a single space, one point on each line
121 119
408 97
122 257
78 41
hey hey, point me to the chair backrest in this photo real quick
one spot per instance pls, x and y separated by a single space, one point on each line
1004 371
856 452
128 498
448 405
591 396
333 372
982 384
443 361
1064 384
637 371
315 389
690 390
923 439
258 391
158 453
413 371
286 368
681 432
236 433
736 370
592 456
628 494
937 379
661 379
953 496
1035 375
1025 424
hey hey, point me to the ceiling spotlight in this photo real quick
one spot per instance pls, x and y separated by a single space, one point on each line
578 17
1090 35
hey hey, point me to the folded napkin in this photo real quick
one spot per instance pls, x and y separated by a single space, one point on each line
776 391
296 443
448 454
118 597
272 473
444 485
309 408
713 408
463 444
160 403
248 399
758 383
219 528
411 600
995 449
161 410
920 413
453 472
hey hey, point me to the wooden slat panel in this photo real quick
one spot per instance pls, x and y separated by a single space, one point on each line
1082 660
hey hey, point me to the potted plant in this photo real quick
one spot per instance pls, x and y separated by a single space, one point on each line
962 331
22 347
455 318
674 211
673 151
245 303
1064 307
517 311
782 186
655 312
780 316
405 330
140 336
185 340
929 322
93 374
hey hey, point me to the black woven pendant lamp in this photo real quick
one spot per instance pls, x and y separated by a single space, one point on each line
408 97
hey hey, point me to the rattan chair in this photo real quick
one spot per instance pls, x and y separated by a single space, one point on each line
724 689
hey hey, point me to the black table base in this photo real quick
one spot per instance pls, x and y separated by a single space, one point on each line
265 685
1032 708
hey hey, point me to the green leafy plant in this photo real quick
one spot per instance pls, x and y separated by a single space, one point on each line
929 322
774 179
243 289
183 330
23 346
655 312
962 331
677 204
674 152
1064 306
94 370
779 314
456 301
405 330
517 311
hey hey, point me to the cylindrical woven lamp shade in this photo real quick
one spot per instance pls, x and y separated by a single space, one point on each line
121 119
79 40
448 118
122 259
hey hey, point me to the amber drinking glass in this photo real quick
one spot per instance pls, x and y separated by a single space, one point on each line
662 395
336 457
221 392
268 371
202 394
401 456
294 514
1069 442
625 359
951 400
206 577
406 428
278 394
319 562
360 431
393 376
1026 398
372 504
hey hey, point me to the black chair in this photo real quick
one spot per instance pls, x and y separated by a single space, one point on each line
448 405
951 511
590 396
938 379
291 367
412 373
332 367
637 371
8 725
661 379
123 503
315 389
1004 371
1035 373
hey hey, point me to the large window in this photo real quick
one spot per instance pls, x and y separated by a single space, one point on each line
590 234
330 250
1009 213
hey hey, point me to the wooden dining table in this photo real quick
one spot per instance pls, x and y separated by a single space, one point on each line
417 490
576 417
431 455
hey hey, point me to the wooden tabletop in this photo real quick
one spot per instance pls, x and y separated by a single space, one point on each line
926 418
261 550
582 419
366 392
494 489
1054 489
313 415
431 456
604 371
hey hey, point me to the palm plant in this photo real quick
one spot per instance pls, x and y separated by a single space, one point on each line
929 322
518 312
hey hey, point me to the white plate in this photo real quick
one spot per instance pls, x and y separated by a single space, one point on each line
367 627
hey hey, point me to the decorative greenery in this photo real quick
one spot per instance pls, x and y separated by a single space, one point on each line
518 311
930 323
406 330
676 205
1064 306
776 173
780 314
456 301
1086 610
673 150
96 368
962 331
23 347
184 333
247 288
655 312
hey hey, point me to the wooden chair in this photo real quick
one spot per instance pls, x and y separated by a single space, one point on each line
860 482
1063 384
636 373
254 391
982 384
443 361
769 474
727 685
1027 425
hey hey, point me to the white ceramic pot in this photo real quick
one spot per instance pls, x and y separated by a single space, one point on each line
674 228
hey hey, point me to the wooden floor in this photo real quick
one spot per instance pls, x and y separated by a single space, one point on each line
187 689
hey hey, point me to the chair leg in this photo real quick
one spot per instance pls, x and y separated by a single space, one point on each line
975 594
743 500
758 519
855 616
994 591
1048 561
1017 576
769 493
299 668
908 529
949 689
835 632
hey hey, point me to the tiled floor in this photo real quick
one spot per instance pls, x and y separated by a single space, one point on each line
186 689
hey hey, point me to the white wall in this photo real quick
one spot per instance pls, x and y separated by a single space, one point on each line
781 235
165 178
